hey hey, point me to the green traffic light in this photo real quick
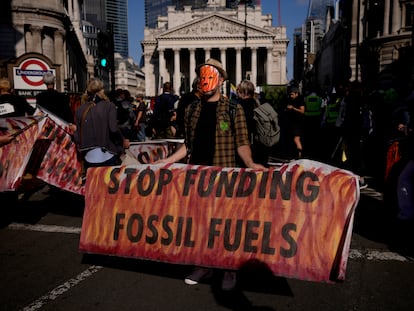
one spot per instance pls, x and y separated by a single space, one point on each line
104 62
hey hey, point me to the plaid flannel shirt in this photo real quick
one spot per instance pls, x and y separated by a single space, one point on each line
226 141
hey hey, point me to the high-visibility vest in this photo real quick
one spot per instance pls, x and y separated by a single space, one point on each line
332 111
313 106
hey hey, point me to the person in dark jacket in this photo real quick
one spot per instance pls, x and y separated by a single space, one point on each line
12 105
54 101
162 119
186 100
294 115
97 134
246 95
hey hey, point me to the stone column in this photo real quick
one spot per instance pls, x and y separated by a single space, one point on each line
396 17
60 49
70 7
150 83
269 61
386 29
161 64
223 62
177 72
36 39
238 65
192 65
207 54
253 77
283 78
21 44
403 15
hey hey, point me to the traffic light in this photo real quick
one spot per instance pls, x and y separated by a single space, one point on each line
103 62
104 49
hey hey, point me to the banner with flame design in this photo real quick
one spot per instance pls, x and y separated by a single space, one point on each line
44 146
15 155
297 219
60 165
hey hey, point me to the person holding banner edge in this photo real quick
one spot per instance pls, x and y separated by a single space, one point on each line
212 138
97 135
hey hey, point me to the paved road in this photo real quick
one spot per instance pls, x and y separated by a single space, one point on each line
42 269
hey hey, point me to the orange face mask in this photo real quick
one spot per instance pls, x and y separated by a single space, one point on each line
209 78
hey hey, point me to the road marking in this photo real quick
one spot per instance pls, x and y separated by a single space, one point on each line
45 228
376 255
373 254
370 192
61 289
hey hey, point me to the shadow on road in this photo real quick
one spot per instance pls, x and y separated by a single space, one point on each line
252 277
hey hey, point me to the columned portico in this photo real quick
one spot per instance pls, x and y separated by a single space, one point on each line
173 54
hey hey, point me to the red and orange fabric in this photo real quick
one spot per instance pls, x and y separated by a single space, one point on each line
296 219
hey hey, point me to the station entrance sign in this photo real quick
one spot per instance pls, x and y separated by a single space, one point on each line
28 77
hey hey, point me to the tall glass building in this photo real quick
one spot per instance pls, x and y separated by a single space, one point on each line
102 13
155 8
117 16
317 10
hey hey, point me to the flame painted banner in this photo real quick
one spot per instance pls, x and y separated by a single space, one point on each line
44 144
152 150
15 155
297 219
60 165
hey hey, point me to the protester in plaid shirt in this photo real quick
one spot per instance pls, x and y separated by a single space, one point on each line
213 138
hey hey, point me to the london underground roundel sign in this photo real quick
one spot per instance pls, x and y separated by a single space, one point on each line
29 74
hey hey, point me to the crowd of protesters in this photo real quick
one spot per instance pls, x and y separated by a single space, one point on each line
346 125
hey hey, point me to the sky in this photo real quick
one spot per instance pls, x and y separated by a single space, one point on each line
292 15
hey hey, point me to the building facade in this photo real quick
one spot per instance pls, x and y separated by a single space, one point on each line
117 16
243 39
367 41
381 41
128 76
49 32
155 8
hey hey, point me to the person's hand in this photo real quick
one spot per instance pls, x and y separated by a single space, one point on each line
126 143
257 166
163 161
289 107
72 128
5 139
402 128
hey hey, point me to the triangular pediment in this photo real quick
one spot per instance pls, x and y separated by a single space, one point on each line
214 25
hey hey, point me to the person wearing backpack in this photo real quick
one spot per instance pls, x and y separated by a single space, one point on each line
256 124
98 138
125 113
164 112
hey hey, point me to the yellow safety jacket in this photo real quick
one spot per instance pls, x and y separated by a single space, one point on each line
332 111
313 106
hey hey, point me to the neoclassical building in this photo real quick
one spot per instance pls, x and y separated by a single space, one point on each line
243 39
